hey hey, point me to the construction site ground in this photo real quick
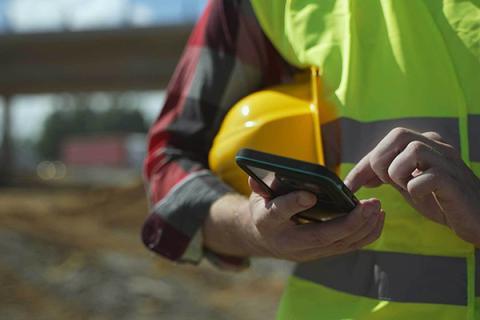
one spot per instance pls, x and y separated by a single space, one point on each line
75 253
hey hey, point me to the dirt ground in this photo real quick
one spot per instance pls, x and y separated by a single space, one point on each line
75 253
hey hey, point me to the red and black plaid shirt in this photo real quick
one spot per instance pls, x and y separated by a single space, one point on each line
227 57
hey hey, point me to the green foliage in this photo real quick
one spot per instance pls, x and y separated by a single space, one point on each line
81 121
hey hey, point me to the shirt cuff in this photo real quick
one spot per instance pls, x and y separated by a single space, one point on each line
173 228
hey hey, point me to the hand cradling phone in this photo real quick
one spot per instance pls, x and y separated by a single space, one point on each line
280 175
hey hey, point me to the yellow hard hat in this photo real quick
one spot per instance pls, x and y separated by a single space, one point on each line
283 120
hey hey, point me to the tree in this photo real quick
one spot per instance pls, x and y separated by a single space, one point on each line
83 120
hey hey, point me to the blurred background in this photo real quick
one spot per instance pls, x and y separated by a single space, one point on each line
81 81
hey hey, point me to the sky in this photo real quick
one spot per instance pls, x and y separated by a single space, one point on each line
51 15
55 15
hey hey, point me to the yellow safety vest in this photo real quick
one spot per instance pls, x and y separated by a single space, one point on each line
387 64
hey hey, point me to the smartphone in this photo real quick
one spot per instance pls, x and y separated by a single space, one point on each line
280 175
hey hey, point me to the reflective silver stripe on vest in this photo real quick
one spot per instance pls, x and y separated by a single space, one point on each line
474 137
392 276
477 272
348 140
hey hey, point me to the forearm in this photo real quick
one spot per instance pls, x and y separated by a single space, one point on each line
225 229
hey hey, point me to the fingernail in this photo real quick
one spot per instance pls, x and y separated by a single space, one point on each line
306 199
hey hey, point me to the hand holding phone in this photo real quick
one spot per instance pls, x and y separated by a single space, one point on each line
280 175
265 225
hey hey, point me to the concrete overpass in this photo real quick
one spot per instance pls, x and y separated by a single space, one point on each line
106 60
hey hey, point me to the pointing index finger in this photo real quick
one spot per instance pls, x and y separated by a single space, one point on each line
373 168
362 174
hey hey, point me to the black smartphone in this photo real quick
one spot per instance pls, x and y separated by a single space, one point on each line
280 175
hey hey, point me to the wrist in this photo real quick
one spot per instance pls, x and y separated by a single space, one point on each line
248 233
222 230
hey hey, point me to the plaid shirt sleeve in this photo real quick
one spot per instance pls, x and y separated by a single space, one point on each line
226 58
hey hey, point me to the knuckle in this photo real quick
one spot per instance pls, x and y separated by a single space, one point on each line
434 135
416 148
399 133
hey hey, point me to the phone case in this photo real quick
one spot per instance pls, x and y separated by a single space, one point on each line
334 199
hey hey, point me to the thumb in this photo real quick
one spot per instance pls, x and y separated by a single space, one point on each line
258 188
283 208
